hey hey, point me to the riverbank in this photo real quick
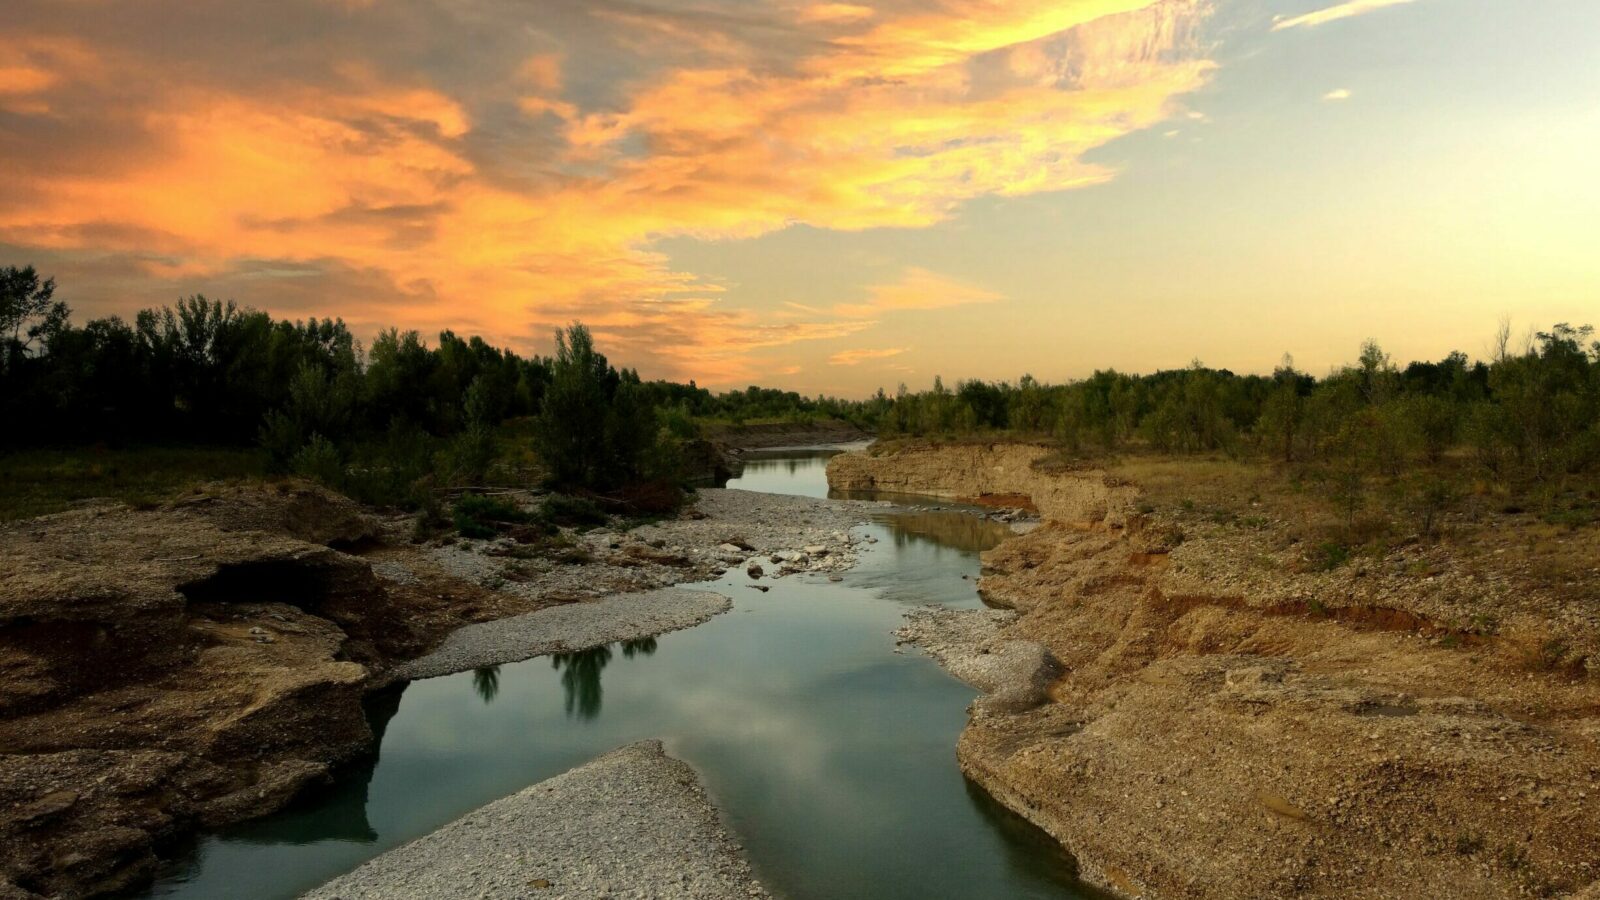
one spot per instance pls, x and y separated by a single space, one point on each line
204 662
1220 718
632 823
764 435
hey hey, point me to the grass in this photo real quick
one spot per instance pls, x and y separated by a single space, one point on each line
39 482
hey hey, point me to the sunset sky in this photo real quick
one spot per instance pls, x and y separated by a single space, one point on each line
827 196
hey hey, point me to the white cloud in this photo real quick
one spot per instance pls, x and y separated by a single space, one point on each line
1337 94
1334 13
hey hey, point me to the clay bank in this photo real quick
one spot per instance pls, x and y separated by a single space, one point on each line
1193 712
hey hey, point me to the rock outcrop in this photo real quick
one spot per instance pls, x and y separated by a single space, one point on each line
178 667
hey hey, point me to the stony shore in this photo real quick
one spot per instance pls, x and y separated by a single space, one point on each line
564 629
632 823
202 663
723 530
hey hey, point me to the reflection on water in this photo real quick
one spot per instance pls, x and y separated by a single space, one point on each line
486 681
580 674
638 647
831 756
787 471
580 679
946 529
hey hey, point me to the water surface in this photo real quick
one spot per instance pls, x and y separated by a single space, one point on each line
831 755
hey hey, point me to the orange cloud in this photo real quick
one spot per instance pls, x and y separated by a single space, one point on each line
918 289
835 12
420 203
857 357
542 72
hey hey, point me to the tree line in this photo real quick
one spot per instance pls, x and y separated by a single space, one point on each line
378 419
1526 421
1531 411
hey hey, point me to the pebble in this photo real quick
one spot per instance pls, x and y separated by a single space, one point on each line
632 823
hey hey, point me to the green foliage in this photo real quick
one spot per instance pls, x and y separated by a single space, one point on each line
397 470
564 509
598 430
320 461
1327 556
479 516
472 450
395 424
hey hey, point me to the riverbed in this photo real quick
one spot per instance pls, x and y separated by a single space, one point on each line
830 753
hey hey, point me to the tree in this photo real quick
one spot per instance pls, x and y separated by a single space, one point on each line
597 429
1279 423
28 308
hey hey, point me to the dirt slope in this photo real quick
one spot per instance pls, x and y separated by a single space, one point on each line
1225 725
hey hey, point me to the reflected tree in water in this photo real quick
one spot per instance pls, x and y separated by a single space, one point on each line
580 679
486 681
580 674
640 647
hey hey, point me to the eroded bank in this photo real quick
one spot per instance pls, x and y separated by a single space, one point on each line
1193 713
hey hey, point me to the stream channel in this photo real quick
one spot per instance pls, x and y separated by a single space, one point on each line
831 755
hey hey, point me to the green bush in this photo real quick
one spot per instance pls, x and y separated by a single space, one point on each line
478 516
320 461
1327 556
578 512
397 471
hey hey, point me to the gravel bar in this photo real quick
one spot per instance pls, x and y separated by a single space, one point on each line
971 644
633 823
565 629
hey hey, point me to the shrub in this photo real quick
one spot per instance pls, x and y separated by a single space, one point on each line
320 461
1327 556
478 516
398 471
565 509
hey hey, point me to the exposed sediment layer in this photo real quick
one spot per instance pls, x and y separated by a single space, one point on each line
632 823
985 472
1226 725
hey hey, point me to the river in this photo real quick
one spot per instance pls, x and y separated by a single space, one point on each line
831 755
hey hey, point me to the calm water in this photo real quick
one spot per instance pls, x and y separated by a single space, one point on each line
831 756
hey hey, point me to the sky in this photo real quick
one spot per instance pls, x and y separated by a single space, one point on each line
824 196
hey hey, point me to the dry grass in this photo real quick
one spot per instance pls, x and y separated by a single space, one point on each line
1490 527
39 482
